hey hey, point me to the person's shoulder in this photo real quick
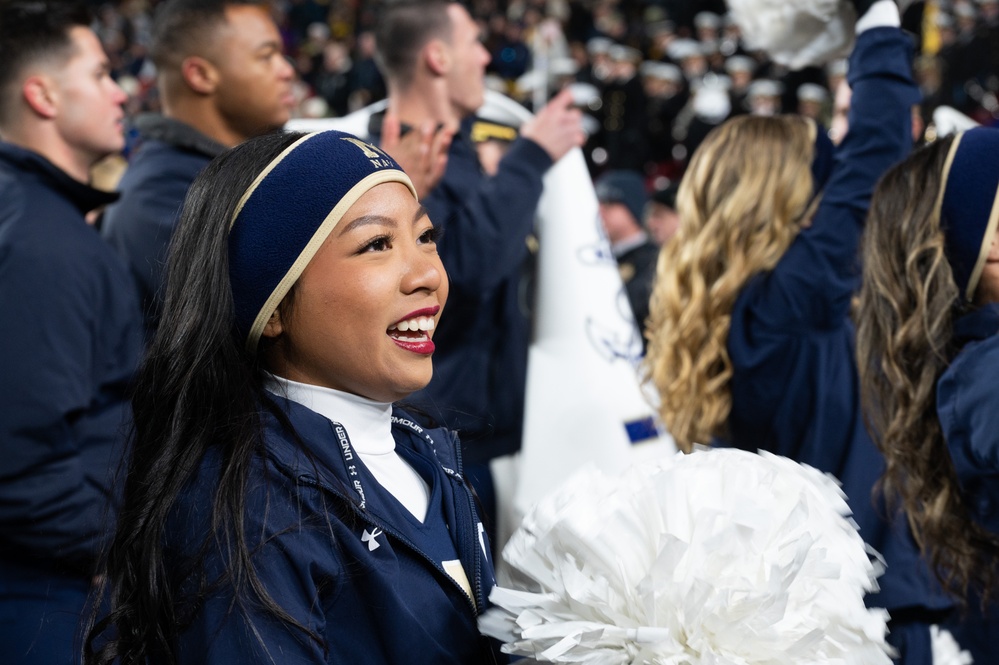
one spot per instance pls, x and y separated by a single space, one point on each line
11 194
967 402
977 363
646 252
156 160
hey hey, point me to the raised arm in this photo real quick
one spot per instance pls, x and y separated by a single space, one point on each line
814 281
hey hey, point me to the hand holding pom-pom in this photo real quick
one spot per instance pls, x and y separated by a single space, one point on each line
721 556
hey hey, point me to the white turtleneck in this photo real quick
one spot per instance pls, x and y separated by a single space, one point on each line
369 426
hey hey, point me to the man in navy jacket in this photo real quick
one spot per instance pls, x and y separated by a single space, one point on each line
434 66
222 77
71 325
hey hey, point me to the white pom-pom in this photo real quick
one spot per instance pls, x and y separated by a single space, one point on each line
720 556
946 650
796 33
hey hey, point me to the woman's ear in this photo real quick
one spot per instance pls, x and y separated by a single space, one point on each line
273 328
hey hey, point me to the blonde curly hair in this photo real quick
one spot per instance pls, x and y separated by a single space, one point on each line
742 201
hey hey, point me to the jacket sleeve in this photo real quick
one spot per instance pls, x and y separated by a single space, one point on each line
486 220
294 564
140 225
225 632
813 282
968 404
60 434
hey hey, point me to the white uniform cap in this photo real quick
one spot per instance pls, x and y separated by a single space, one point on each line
684 48
765 88
740 63
707 20
622 53
812 92
598 45
663 71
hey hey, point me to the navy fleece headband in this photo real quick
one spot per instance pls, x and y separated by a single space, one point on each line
969 204
288 212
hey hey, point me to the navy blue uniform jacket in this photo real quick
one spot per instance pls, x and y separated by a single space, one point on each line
968 408
795 390
139 226
72 336
480 366
387 603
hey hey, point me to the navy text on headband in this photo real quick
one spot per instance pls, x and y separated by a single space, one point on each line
287 213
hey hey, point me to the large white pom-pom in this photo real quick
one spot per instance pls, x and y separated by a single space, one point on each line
720 556
796 33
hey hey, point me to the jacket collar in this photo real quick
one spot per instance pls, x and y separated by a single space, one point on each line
156 127
84 197
977 325
316 431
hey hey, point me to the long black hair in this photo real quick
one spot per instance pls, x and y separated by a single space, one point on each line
197 389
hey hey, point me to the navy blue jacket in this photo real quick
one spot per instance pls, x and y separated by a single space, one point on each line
170 154
968 407
795 389
480 366
347 572
72 337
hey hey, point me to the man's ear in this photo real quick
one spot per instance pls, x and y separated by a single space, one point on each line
199 74
437 56
273 328
40 94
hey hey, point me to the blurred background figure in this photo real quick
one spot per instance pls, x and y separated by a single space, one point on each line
434 65
812 99
764 97
71 327
624 112
661 218
223 77
623 198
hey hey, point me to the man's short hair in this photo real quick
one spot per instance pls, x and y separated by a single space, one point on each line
31 31
403 28
182 28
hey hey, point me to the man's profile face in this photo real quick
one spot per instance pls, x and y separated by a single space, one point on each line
466 76
255 88
89 115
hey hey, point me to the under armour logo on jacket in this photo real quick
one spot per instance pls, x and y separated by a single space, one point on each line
369 538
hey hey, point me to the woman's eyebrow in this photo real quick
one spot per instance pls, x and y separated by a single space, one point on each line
367 220
382 220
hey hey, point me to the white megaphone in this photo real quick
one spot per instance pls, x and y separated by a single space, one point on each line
584 400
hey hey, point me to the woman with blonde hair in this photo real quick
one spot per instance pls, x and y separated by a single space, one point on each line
750 338
928 354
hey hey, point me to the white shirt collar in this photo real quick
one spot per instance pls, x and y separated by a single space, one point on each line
368 423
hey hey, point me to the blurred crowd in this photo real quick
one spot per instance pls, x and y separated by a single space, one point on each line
653 77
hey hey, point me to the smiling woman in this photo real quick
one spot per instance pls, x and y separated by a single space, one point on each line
278 507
